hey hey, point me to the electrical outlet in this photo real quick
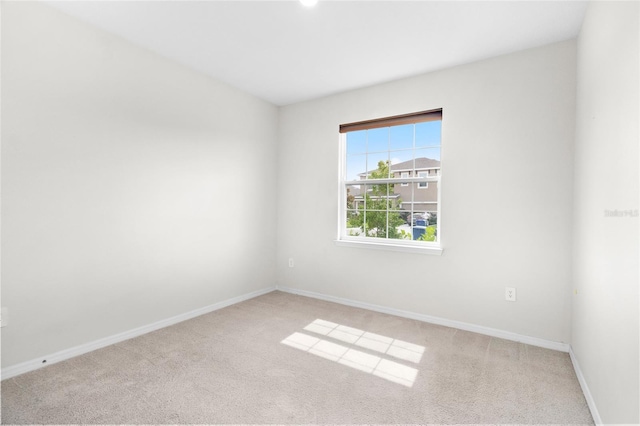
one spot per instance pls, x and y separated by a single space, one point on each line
291 262
510 294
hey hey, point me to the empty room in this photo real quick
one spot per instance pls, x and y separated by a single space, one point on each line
320 212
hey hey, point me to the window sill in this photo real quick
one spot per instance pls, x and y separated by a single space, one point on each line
431 250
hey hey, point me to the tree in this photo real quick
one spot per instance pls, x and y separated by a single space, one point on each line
380 216
433 218
429 234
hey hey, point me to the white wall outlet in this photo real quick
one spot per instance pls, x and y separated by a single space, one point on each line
291 262
510 294
4 316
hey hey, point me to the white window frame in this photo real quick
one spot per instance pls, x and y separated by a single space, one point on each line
404 175
426 184
411 246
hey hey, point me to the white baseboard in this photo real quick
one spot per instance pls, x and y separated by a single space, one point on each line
45 360
507 335
35 364
585 389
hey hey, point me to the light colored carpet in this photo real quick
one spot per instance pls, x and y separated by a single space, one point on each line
288 359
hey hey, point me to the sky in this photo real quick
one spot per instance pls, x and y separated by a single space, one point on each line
365 148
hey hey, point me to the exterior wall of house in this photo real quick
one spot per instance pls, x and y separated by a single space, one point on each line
425 199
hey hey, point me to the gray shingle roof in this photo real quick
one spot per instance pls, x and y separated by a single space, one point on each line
421 163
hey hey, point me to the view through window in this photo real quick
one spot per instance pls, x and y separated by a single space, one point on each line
390 179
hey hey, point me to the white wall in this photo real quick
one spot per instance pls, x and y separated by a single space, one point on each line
112 217
605 310
133 189
507 136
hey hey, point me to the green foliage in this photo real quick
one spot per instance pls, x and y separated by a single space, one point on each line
429 234
404 235
433 219
380 209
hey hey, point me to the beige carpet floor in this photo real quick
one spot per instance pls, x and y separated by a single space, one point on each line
286 359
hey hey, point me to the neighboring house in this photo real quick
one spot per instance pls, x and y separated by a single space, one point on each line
425 194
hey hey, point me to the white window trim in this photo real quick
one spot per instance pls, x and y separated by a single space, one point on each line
407 246
404 175
404 247
426 184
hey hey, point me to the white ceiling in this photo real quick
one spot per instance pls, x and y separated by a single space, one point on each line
284 52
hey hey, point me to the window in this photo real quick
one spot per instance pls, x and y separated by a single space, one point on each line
381 160
423 184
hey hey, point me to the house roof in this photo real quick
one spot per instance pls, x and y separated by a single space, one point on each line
421 164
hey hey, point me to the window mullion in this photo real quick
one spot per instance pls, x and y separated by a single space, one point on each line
393 181
389 175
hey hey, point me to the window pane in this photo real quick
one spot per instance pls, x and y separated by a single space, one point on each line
424 226
401 137
357 142
433 218
428 133
432 154
427 162
378 165
426 196
376 223
401 160
400 225
403 175
423 185
354 223
399 211
419 217
424 210
355 200
366 196
378 139
356 164
382 197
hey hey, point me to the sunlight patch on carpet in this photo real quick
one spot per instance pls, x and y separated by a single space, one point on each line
359 360
386 345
